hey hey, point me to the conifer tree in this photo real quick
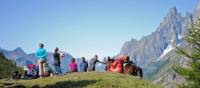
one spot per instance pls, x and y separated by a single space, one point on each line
191 72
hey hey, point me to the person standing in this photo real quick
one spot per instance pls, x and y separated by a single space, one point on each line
93 62
83 65
57 56
41 55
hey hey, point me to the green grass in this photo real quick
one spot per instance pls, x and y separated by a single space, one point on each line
88 80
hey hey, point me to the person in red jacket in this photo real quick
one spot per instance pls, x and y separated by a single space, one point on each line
117 66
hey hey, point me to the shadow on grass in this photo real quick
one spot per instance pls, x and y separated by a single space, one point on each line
65 84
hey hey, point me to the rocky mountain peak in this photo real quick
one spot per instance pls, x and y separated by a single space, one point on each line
173 10
151 47
187 14
19 49
173 15
188 17
133 40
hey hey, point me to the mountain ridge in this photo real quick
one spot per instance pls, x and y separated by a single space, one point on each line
14 54
158 49
168 33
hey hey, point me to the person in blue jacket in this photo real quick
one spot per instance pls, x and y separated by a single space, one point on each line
41 55
83 65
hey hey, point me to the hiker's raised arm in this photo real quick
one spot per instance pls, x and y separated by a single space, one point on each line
101 62
62 54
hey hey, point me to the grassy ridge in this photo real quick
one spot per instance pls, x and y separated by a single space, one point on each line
88 80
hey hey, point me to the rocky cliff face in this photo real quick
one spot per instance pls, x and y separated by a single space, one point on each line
150 48
156 52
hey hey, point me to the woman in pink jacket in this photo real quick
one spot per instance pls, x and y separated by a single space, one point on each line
73 66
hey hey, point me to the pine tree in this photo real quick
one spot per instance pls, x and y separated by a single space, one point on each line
6 67
191 72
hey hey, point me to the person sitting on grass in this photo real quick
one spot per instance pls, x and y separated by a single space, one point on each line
83 65
73 66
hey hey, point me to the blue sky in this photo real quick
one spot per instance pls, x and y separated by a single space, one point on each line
82 27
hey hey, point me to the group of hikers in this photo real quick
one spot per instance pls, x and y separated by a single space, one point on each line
41 55
120 64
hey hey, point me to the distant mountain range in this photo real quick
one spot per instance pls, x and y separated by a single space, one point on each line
14 54
155 53
22 59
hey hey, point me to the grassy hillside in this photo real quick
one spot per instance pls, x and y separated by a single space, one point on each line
88 80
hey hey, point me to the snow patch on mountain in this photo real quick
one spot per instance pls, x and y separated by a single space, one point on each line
180 37
171 40
167 50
